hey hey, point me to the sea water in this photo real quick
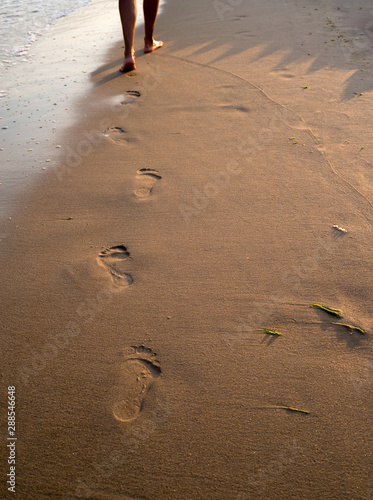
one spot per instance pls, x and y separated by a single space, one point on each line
23 21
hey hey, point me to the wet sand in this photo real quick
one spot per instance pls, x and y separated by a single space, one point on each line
214 193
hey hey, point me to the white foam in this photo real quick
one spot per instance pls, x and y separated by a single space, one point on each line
22 22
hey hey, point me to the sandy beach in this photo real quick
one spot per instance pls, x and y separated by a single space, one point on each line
157 282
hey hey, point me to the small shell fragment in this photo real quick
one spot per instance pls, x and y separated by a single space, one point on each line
339 228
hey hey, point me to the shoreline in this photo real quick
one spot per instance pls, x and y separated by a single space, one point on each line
42 93
193 207
41 96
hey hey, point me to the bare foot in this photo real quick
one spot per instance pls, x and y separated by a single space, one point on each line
129 64
151 47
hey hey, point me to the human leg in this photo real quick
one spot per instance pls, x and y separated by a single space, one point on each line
128 12
150 16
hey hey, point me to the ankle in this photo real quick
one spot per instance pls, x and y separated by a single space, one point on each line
129 54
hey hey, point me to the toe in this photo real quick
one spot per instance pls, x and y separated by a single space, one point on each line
157 44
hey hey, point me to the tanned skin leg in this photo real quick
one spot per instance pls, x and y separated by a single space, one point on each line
128 13
150 16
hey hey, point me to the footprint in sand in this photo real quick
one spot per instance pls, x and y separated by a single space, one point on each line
244 34
117 135
117 261
136 376
130 97
146 178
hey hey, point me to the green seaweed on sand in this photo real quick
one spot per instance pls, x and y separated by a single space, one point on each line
287 408
350 327
334 312
269 332
294 409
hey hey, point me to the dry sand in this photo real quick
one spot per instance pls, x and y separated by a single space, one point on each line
194 205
